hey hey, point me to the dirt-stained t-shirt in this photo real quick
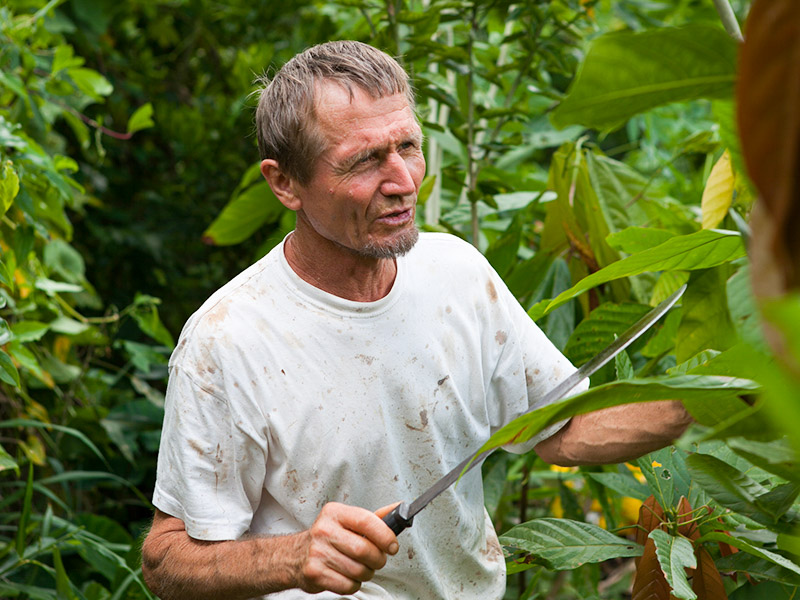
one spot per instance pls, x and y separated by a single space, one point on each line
283 397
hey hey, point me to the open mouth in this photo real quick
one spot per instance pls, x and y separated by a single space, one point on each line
399 217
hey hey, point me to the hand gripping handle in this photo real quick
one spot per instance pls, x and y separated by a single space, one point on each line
398 519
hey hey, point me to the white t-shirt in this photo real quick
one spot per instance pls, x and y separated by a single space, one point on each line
283 397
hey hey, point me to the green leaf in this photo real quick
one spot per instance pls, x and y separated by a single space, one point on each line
746 546
63 586
64 59
628 73
776 456
55 287
666 475
705 322
29 331
68 326
145 313
600 328
90 82
65 261
750 564
563 544
68 430
243 215
22 527
675 555
744 310
626 485
623 366
735 490
7 461
9 186
637 239
5 279
142 118
8 372
700 250
689 388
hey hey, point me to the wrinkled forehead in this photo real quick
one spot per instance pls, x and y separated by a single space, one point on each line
341 112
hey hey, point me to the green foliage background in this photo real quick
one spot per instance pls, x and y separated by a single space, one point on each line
571 141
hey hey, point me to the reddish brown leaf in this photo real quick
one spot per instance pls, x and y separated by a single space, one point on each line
768 103
707 582
649 582
687 527
651 515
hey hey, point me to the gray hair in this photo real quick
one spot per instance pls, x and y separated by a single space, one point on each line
286 123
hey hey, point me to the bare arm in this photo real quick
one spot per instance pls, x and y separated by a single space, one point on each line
343 548
615 434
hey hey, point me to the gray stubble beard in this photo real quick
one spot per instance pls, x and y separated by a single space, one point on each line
397 247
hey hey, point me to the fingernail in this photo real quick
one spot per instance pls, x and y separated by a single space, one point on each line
393 548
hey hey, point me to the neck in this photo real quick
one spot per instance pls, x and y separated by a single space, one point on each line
340 271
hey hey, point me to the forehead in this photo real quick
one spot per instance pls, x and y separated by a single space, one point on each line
351 122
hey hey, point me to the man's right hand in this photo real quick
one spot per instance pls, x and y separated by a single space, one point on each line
344 547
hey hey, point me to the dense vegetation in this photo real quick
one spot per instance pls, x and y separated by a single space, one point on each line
601 154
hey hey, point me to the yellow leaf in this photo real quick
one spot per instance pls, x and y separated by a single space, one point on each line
34 450
718 195
61 347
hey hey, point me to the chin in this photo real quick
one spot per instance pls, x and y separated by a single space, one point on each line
398 246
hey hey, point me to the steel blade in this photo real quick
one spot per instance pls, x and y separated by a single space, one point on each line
587 369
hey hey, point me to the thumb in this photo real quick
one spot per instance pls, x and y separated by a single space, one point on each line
383 511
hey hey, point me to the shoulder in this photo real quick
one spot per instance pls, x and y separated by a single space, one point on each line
446 250
231 308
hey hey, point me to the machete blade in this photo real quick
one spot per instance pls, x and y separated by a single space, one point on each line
402 516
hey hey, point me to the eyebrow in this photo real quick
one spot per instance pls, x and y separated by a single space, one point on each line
347 163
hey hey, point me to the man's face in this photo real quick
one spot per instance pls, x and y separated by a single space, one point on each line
363 192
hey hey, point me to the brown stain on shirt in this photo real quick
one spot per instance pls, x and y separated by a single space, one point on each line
492 291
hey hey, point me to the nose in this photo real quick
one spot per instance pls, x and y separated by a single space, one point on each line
398 179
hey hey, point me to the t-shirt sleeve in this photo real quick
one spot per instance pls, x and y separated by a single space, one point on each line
210 468
530 366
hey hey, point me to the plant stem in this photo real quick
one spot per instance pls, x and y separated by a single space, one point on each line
471 170
728 18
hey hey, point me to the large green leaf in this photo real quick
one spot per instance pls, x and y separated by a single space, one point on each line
700 250
675 555
626 485
637 239
735 490
628 73
776 456
9 186
564 544
691 389
600 329
243 215
750 548
751 564
705 322
8 371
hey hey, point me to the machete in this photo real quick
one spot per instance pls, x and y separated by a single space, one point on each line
402 516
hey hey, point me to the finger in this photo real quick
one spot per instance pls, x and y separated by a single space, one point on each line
360 550
371 526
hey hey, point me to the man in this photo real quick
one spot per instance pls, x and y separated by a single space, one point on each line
350 369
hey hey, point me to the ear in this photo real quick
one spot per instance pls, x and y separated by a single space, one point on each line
282 185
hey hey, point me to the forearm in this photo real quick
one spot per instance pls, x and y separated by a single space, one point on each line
342 549
616 434
178 566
